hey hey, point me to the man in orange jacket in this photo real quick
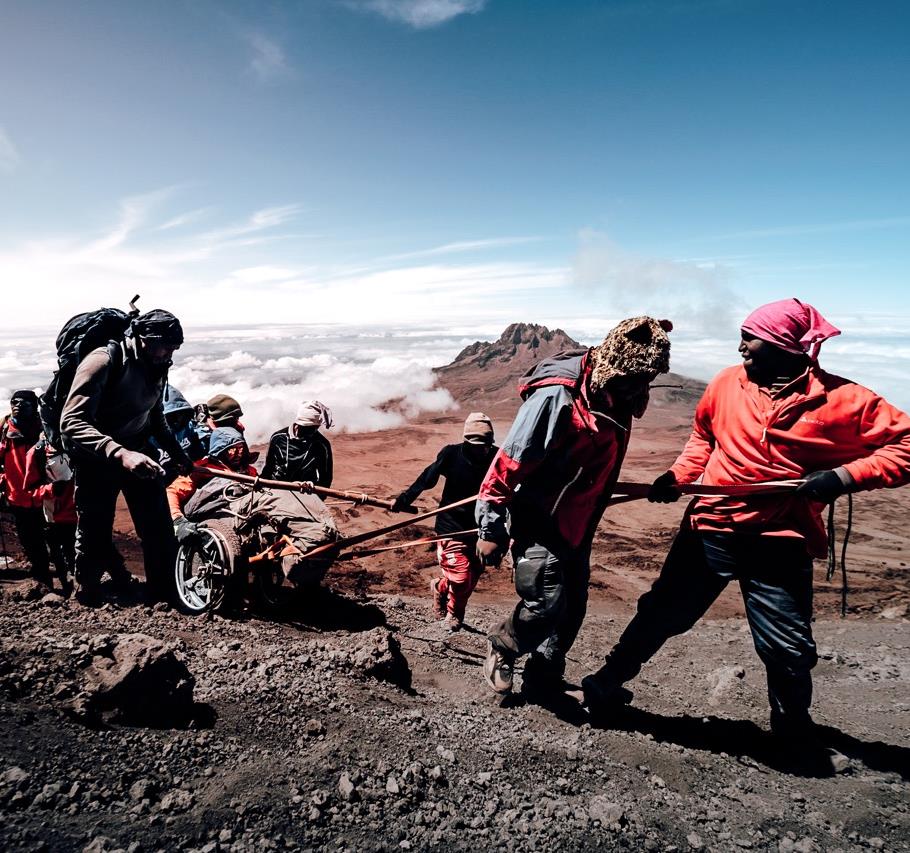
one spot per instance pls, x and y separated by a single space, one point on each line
779 416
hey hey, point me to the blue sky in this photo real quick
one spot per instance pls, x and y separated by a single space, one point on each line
456 161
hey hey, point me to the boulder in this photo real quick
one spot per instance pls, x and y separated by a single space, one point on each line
377 654
136 680
723 681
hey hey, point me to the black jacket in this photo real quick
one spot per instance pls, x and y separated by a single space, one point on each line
463 479
290 458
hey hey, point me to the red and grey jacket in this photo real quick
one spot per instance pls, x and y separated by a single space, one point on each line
14 447
556 469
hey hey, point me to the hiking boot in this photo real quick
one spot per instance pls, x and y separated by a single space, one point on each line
440 599
452 623
604 695
800 744
541 678
497 669
88 595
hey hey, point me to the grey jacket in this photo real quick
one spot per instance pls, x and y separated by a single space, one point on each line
115 402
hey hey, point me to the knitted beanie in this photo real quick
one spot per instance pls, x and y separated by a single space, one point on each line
223 408
638 346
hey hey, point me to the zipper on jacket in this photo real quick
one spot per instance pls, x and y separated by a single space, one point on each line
565 488
764 435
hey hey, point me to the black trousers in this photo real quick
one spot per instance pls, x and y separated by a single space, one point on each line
61 539
97 486
552 582
30 529
775 577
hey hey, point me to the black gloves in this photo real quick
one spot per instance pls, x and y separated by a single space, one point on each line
663 490
185 530
401 503
823 486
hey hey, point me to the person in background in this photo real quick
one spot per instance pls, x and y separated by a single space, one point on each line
300 451
464 466
180 418
222 410
49 476
20 432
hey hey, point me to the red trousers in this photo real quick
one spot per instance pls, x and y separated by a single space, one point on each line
461 570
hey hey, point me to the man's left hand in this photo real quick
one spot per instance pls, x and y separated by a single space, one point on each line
823 486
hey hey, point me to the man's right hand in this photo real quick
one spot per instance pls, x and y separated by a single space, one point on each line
139 464
489 553
664 489
401 503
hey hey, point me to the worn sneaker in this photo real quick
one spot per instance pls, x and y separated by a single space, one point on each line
497 669
452 623
440 599
603 695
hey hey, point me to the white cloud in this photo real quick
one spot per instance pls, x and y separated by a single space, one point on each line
460 247
187 218
261 220
364 395
420 14
9 154
695 293
268 61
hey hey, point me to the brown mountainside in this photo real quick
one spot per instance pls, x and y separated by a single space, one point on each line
486 373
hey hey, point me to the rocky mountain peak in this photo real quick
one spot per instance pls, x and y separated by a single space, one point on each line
522 341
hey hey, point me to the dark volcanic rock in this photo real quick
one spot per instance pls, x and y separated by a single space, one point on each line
135 679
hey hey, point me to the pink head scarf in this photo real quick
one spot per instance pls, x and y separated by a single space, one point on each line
791 325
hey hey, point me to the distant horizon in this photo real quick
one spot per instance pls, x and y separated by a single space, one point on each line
358 369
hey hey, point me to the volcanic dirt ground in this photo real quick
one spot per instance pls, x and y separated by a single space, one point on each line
300 742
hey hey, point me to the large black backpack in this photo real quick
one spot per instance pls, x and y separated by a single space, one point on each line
78 337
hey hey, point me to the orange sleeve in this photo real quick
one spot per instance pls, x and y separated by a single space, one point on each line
178 493
884 436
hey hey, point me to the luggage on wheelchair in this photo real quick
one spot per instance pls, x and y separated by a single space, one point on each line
251 539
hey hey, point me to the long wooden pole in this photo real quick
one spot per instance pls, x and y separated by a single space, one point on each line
299 486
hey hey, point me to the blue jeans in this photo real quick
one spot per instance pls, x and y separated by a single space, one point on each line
775 578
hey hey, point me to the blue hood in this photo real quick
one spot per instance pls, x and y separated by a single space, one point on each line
223 438
174 401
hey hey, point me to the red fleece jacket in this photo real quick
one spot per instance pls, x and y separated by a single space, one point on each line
746 434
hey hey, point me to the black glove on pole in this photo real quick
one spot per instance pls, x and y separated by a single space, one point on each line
824 486
663 490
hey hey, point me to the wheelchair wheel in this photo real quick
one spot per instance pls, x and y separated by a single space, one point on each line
203 569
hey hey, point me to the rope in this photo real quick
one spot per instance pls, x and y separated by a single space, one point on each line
832 552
